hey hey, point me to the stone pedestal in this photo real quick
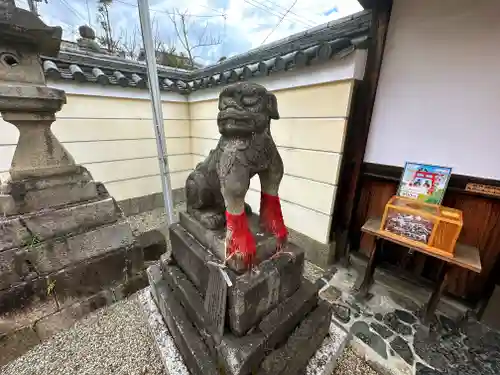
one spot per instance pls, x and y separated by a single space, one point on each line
272 313
38 152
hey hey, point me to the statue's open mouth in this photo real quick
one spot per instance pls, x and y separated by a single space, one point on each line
235 114
236 122
237 125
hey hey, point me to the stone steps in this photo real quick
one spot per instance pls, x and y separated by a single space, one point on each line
68 277
33 228
180 303
253 294
322 362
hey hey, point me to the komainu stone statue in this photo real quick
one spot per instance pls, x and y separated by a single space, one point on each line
235 301
245 149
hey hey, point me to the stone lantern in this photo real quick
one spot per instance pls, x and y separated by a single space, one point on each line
25 100
59 229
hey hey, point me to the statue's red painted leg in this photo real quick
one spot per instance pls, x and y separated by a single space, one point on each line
239 239
271 218
235 180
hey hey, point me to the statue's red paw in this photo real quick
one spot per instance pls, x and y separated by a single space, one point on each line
240 241
271 218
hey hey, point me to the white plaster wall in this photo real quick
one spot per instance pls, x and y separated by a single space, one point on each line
314 104
113 137
109 130
438 99
310 139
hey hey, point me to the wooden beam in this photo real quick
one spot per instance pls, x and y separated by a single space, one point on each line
357 130
470 185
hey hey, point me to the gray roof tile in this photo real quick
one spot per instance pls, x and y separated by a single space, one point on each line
332 40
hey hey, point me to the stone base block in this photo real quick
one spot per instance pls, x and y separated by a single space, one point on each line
191 256
191 346
29 229
66 317
23 295
237 355
91 276
21 329
16 343
292 358
278 324
30 195
322 362
18 265
254 294
215 239
191 300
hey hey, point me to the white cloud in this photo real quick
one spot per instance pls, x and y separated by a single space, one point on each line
246 23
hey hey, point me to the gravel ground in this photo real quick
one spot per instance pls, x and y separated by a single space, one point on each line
351 364
115 341
110 341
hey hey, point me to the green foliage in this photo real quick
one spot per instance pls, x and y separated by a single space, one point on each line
51 284
107 40
35 240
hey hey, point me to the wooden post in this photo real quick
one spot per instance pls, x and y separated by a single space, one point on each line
358 128
370 269
429 309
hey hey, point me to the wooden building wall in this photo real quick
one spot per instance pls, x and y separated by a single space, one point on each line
481 229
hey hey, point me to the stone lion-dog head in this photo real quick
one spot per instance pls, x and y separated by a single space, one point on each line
245 109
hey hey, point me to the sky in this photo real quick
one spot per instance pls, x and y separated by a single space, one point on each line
239 25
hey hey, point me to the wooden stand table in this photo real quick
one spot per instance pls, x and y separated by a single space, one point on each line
465 256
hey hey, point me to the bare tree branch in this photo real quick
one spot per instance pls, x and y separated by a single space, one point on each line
183 30
130 44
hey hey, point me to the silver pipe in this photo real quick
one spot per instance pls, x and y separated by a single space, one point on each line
32 6
154 90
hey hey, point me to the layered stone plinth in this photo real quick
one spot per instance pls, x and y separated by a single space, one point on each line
271 312
214 240
65 249
253 294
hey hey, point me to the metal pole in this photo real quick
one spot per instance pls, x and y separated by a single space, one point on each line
154 90
32 6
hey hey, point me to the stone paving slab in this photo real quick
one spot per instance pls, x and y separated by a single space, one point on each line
388 333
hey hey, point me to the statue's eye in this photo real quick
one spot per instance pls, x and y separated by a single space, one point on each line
250 100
